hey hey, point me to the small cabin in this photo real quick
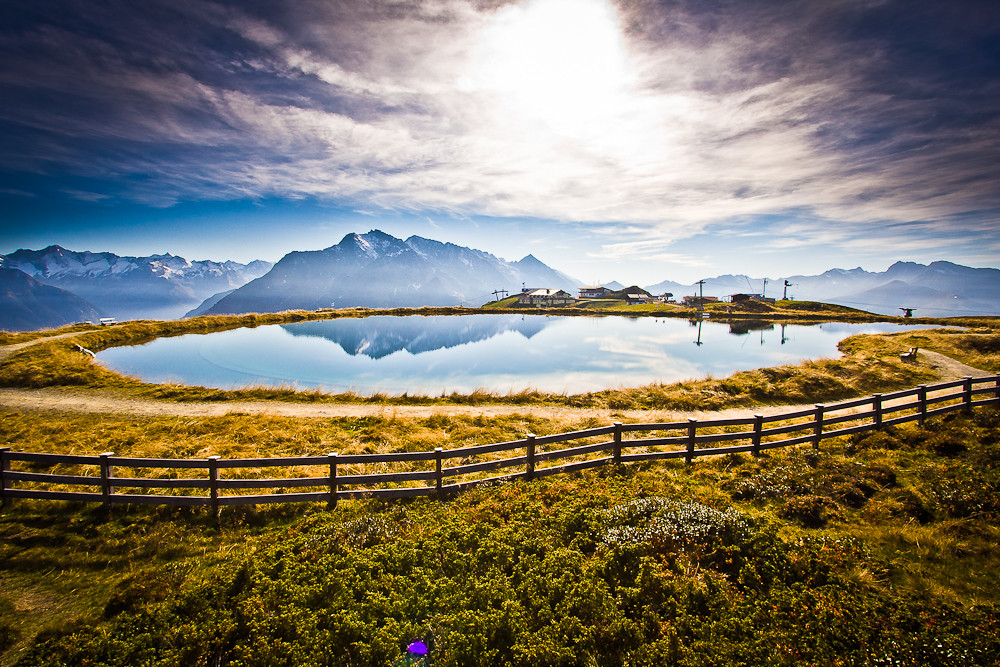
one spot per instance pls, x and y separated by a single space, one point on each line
593 292
636 299
699 300
746 298
543 297
107 321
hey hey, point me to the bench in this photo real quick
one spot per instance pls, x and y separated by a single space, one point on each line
909 356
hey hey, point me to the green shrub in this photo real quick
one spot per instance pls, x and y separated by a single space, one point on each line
671 526
947 444
811 511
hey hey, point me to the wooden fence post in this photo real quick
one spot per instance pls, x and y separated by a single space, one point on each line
922 403
530 471
617 451
692 428
438 472
877 406
997 392
967 394
213 477
106 474
4 467
331 504
818 428
758 426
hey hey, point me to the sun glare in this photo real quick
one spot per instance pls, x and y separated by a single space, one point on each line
562 63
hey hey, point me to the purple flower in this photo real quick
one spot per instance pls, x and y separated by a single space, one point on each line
417 647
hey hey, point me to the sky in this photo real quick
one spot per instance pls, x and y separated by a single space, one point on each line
628 140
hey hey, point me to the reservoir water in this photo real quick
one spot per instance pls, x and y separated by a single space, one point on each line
431 355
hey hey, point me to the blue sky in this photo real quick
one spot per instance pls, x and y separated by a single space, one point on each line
630 140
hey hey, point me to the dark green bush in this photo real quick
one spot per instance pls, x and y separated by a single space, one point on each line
873 440
811 511
947 444
913 505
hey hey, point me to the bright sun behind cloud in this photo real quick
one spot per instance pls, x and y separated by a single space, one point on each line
559 63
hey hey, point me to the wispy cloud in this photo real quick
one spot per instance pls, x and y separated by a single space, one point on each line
664 120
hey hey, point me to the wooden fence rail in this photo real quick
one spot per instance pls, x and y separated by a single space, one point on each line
21 473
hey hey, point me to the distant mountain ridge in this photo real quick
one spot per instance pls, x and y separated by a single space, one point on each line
939 289
378 270
154 287
26 304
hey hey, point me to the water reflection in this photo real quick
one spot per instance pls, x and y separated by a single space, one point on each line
697 323
378 337
498 353
743 327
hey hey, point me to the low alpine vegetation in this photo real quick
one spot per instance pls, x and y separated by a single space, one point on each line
722 562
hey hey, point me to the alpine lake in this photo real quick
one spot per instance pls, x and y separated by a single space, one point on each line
499 353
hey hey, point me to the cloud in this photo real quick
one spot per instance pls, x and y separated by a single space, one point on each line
660 119
83 195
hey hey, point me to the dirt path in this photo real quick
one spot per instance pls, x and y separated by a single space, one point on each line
948 368
7 350
68 400
106 402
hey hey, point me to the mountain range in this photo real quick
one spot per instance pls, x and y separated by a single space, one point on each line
379 270
939 289
155 287
55 286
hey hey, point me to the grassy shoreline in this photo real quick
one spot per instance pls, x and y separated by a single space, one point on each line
864 368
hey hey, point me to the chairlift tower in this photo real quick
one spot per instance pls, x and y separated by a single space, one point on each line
701 296
785 296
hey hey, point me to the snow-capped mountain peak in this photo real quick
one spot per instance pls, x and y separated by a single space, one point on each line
157 286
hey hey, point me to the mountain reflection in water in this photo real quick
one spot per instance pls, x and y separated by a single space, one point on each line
379 336
431 355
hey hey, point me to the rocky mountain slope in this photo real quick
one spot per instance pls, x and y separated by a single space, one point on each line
26 304
379 270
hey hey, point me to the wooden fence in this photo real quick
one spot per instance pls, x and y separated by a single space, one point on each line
331 477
